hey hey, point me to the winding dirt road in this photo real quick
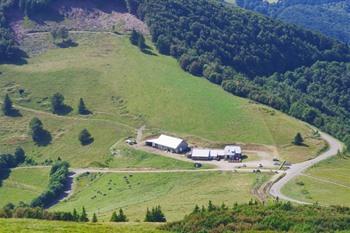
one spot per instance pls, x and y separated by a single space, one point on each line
297 169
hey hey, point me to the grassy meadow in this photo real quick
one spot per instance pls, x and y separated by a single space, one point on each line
176 193
37 226
125 89
23 184
327 183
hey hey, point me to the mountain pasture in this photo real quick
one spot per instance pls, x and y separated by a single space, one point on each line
326 183
23 184
176 193
121 84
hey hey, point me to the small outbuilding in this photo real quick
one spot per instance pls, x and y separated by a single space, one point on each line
233 153
168 143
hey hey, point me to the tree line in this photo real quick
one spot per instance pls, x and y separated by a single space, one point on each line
57 182
25 211
8 161
258 217
203 34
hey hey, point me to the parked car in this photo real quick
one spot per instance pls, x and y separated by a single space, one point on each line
275 160
277 164
197 165
130 141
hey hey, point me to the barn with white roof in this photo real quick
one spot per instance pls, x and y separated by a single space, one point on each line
168 143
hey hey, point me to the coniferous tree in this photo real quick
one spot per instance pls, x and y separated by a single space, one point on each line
57 103
36 129
7 106
75 215
196 209
94 218
134 37
83 216
121 217
85 137
148 217
298 140
114 217
155 215
82 108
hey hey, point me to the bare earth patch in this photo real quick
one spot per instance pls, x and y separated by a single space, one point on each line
78 15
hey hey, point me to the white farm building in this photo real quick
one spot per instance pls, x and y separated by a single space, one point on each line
168 143
232 153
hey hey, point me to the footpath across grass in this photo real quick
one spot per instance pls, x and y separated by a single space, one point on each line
23 184
327 183
122 84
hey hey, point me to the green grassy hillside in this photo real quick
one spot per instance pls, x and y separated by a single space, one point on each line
23 184
177 193
125 89
327 183
30 226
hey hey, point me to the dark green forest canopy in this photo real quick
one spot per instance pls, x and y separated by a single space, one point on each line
330 17
209 31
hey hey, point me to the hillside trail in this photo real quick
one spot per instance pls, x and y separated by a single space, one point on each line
297 169
275 189
72 117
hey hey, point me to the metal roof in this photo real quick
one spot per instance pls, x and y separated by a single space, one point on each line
200 153
232 150
167 141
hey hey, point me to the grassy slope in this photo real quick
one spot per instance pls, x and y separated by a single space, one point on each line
329 183
118 82
30 226
177 193
23 185
65 144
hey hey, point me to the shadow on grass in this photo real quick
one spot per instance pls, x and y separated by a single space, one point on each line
67 44
14 113
63 110
68 185
16 57
87 142
4 174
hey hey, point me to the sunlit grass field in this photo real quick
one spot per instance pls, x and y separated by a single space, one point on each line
23 184
176 193
123 85
327 183
37 226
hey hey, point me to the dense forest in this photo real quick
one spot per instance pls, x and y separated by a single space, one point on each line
201 33
254 217
330 17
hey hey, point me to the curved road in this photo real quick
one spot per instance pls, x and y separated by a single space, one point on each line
297 169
